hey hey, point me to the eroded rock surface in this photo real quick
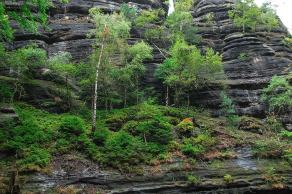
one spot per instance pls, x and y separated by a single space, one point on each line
250 59
248 177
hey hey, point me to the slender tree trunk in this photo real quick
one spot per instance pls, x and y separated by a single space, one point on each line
188 96
96 82
167 96
145 139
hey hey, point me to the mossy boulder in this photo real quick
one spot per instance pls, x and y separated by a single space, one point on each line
251 124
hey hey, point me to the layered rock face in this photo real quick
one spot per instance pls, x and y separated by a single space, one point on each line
250 59
249 177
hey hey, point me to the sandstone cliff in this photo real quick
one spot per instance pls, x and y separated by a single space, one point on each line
265 54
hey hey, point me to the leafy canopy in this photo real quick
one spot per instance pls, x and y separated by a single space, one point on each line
248 15
109 26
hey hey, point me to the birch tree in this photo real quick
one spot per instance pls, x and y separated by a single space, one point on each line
109 29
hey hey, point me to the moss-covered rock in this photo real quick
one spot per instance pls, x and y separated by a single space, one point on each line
251 124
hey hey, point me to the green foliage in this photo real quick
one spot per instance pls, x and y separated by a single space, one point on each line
61 64
6 92
195 146
269 17
28 58
156 32
140 51
100 135
116 25
122 149
288 41
277 95
193 180
25 135
129 12
60 59
35 156
243 56
184 5
286 134
269 148
150 124
228 178
30 15
273 123
148 16
185 127
27 140
72 125
228 109
246 14
187 68
178 21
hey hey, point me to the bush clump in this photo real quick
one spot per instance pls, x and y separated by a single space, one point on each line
100 135
72 125
35 156
124 149
196 146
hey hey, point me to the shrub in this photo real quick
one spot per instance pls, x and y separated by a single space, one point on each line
274 124
150 124
6 92
268 148
72 125
271 177
147 17
156 130
129 12
286 134
192 150
196 146
277 95
100 135
228 178
35 156
288 41
228 109
62 145
122 148
25 135
193 180
154 33
29 57
243 56
185 127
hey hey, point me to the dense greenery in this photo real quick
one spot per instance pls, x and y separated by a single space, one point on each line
130 127
30 15
187 69
278 95
248 15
